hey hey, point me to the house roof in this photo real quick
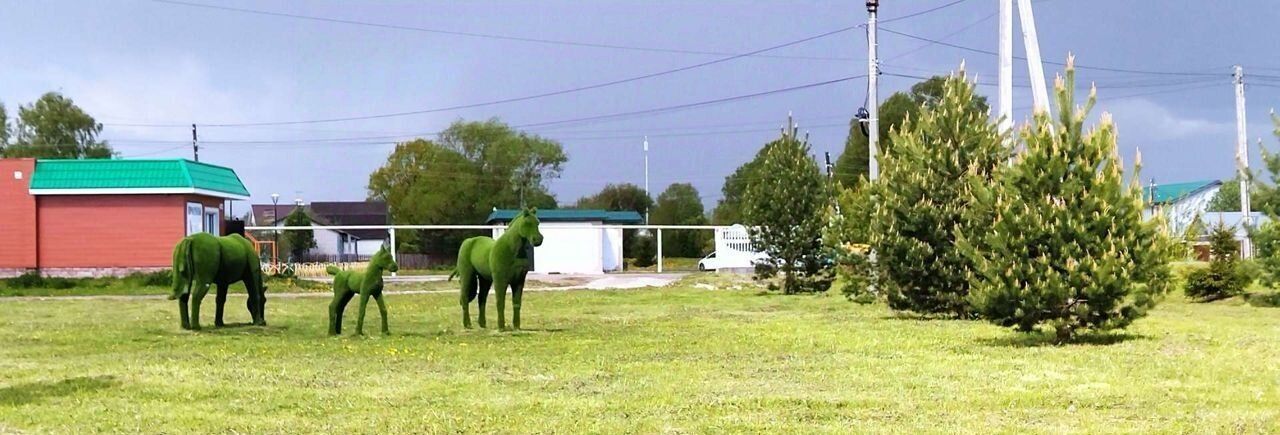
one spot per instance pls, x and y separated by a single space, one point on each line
332 213
135 177
1174 192
571 215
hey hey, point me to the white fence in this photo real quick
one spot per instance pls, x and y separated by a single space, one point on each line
392 234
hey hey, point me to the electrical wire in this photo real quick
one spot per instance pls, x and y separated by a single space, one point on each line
1078 66
506 100
926 11
485 35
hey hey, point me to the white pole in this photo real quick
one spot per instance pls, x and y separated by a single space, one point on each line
873 100
659 250
646 177
1040 95
1242 163
392 248
1005 78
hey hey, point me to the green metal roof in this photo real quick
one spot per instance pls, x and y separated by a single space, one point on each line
571 215
110 176
1172 192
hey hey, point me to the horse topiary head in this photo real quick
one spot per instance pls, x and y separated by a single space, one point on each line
525 225
382 261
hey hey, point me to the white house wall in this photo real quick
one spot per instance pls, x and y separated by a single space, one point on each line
611 250
1180 214
367 247
567 248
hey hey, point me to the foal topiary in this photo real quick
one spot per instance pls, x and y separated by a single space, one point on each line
367 283
483 261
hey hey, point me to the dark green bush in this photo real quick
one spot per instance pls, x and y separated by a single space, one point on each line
161 278
644 250
26 280
1267 300
1224 277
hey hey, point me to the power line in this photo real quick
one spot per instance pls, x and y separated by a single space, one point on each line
1078 66
931 43
509 100
650 111
486 35
926 11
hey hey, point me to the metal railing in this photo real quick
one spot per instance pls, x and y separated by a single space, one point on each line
392 233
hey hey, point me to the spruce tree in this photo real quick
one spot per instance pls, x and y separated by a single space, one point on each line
1067 247
785 207
1223 278
922 200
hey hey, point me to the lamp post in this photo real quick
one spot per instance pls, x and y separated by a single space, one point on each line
275 219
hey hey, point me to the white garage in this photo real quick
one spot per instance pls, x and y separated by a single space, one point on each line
569 243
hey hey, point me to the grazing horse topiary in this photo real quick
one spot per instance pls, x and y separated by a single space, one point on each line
367 283
201 260
483 261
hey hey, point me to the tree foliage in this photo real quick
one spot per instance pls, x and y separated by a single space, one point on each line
299 242
680 204
1228 197
1068 247
847 240
728 210
622 197
785 207
1224 277
472 168
854 161
925 199
52 127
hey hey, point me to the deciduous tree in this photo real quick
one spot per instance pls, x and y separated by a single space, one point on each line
681 205
53 127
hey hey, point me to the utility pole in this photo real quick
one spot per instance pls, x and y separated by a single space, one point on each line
828 157
1040 95
1242 163
873 100
195 146
1005 99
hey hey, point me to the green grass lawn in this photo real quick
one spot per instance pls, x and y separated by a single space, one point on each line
678 360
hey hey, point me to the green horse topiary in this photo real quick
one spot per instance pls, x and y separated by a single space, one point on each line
201 260
367 283
485 262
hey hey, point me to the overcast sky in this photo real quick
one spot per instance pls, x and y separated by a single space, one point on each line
147 62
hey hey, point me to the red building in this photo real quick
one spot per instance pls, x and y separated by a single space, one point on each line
106 217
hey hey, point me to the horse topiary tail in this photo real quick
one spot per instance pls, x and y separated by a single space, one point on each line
183 269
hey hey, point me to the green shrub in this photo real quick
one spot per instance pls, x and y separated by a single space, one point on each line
1224 277
1266 300
644 250
160 278
26 280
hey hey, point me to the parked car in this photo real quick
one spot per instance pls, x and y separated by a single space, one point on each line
714 262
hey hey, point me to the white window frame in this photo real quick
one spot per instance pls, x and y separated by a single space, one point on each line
194 217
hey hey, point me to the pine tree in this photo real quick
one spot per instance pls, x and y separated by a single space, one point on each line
1223 278
923 198
786 209
1067 247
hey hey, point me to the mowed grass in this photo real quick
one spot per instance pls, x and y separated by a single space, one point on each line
671 360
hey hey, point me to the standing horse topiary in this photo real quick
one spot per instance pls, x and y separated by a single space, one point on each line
367 283
201 260
485 262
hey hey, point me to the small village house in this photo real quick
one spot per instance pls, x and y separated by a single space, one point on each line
106 217
334 244
568 248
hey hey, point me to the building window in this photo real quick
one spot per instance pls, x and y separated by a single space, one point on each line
195 218
212 221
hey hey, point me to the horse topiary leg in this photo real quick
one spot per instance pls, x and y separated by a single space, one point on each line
182 310
336 309
221 301
500 288
197 296
382 309
517 293
364 303
467 279
483 296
